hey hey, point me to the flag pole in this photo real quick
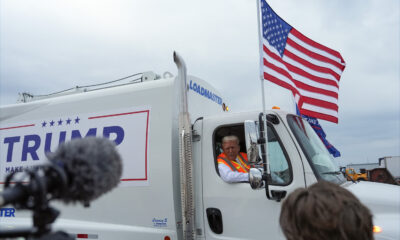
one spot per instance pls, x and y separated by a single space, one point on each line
260 45
265 127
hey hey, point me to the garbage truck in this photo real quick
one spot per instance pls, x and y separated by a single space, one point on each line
168 131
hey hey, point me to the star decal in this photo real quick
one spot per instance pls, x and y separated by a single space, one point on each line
60 122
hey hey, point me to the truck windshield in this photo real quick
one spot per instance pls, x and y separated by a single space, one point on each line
317 154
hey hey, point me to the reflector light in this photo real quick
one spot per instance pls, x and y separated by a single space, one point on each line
377 229
87 236
276 107
225 107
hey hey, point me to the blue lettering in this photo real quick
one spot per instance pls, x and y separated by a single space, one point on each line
7 212
205 92
10 212
119 131
32 143
14 169
47 144
10 141
77 134
30 149
160 222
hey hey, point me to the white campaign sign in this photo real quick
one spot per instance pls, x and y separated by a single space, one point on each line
25 144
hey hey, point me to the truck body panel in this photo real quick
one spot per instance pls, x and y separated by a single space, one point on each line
146 116
153 128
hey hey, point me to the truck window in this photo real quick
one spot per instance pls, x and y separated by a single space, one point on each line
279 164
317 155
278 160
219 133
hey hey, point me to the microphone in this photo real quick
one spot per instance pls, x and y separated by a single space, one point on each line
80 170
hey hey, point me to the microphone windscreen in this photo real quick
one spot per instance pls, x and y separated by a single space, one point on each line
93 167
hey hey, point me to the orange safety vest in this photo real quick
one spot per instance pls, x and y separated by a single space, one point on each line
233 165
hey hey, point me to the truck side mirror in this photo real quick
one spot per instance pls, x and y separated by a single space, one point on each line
255 178
251 137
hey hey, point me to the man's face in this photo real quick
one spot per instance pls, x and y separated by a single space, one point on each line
231 149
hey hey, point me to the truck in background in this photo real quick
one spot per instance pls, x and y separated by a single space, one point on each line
387 172
392 164
169 131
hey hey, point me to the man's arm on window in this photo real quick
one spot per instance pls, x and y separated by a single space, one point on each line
229 176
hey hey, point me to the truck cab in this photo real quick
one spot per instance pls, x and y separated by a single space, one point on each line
233 210
297 158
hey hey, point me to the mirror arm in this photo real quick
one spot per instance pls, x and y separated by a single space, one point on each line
263 141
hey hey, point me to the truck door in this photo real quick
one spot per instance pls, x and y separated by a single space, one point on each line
234 210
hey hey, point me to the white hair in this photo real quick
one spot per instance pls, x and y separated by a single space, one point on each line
230 138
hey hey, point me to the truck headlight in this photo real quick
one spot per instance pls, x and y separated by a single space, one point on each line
376 229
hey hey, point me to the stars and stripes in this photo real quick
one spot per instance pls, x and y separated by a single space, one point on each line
293 61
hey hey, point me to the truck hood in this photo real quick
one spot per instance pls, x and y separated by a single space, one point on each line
384 202
378 197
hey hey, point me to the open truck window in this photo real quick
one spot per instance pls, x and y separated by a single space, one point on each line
237 130
279 163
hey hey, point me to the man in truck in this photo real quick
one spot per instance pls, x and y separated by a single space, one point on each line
232 164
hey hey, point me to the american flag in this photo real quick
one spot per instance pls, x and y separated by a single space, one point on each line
293 61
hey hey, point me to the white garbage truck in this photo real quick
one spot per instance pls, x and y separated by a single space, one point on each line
168 131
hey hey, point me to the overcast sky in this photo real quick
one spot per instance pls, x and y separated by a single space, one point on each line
48 45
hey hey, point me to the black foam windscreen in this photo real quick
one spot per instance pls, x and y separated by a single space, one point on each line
93 167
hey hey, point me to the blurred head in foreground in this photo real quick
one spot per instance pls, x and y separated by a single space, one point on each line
325 211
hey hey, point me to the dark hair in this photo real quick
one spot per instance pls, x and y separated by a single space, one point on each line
325 211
